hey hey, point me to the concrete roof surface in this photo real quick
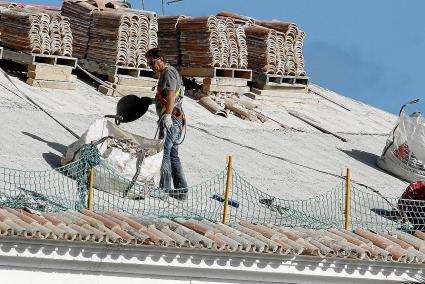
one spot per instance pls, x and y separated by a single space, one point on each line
295 162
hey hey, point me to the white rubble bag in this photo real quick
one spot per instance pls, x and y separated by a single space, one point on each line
119 153
404 152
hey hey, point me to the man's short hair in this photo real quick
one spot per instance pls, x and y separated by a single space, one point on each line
155 53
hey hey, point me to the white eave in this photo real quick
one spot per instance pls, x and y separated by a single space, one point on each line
195 264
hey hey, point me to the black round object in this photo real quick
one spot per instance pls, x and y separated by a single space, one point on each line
132 107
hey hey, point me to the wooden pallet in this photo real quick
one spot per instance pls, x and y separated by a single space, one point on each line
51 76
50 72
119 91
126 80
225 85
104 69
123 85
32 59
216 72
283 97
51 84
45 71
273 81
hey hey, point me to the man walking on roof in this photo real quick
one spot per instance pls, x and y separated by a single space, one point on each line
172 122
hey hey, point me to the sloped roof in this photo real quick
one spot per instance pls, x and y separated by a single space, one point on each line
273 159
113 228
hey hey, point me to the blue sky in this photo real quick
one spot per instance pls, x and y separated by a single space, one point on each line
371 50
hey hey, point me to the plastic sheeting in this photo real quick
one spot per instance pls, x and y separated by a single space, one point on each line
404 152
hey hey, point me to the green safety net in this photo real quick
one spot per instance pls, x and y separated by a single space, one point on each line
67 187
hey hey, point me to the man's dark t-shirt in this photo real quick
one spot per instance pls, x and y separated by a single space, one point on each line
169 80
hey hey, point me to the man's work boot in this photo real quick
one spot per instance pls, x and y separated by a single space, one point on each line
158 193
179 194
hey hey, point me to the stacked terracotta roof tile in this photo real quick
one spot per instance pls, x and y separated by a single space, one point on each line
79 14
169 37
212 41
34 30
118 36
115 228
274 47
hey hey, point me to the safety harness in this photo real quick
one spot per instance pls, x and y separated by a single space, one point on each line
177 110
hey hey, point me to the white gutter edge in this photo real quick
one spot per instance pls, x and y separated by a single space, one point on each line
48 255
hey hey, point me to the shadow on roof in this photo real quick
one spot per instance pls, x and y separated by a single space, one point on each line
364 157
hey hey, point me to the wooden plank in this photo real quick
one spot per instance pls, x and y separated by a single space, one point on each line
63 85
131 81
58 76
197 72
129 71
252 95
97 68
309 122
50 72
120 90
133 71
262 78
280 90
242 73
225 89
18 57
328 99
273 79
66 61
48 68
284 99
113 70
216 72
1 52
106 91
282 86
302 80
24 58
237 82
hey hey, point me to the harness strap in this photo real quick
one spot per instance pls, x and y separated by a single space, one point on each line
177 97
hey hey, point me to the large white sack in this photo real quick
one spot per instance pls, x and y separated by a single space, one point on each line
119 161
404 152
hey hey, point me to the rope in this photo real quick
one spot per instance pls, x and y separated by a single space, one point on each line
108 85
90 155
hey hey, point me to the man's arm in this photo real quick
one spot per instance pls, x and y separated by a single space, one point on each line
170 101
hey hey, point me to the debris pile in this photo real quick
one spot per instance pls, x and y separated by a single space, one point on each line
212 42
32 30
